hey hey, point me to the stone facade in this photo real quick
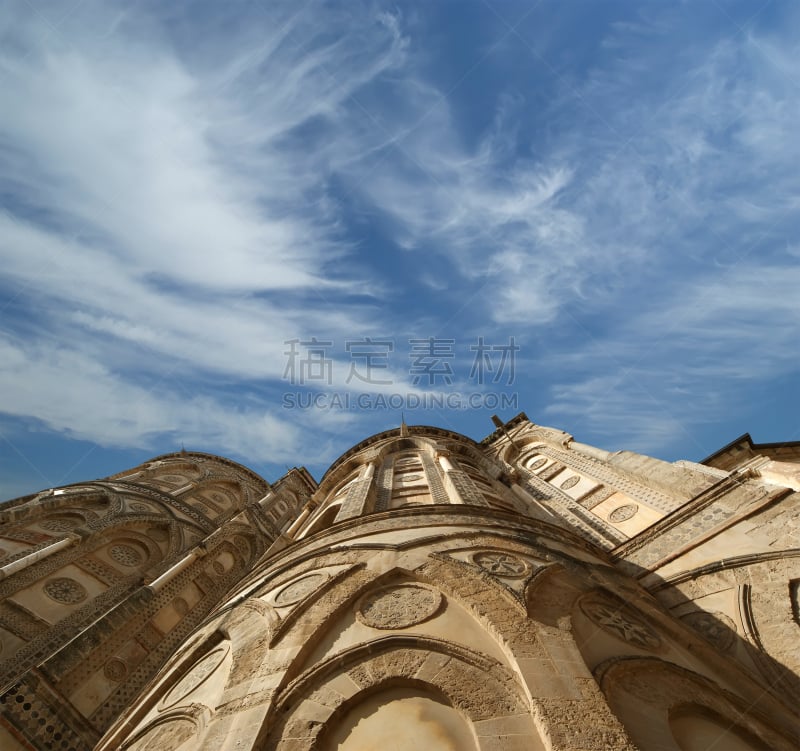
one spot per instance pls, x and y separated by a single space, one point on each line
525 592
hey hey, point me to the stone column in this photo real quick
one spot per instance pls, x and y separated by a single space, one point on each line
35 556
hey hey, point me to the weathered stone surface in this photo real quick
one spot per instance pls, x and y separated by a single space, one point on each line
528 592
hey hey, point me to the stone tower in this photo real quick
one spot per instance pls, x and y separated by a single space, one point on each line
526 592
101 582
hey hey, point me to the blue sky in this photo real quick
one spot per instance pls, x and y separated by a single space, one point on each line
186 187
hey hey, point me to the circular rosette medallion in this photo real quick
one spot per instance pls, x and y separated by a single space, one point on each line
398 606
66 590
618 622
501 564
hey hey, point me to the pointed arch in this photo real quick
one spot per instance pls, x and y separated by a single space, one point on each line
479 687
637 688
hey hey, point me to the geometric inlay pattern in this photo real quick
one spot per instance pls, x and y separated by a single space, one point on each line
621 624
61 523
125 555
398 606
66 590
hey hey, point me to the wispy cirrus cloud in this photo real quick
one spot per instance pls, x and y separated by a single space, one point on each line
188 187
164 220
710 316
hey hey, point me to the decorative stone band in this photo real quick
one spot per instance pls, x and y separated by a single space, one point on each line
434 478
583 521
383 484
459 484
355 502
609 475
673 535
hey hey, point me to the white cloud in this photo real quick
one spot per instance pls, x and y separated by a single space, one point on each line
166 226
173 213
686 362
77 395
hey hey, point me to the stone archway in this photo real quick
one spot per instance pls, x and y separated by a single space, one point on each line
315 706
653 697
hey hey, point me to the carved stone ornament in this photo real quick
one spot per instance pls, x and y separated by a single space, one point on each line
125 555
60 523
115 670
198 673
398 606
570 482
715 627
65 590
623 513
409 478
621 623
180 605
300 588
406 461
501 564
141 507
540 462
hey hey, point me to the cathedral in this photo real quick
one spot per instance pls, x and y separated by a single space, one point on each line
521 593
